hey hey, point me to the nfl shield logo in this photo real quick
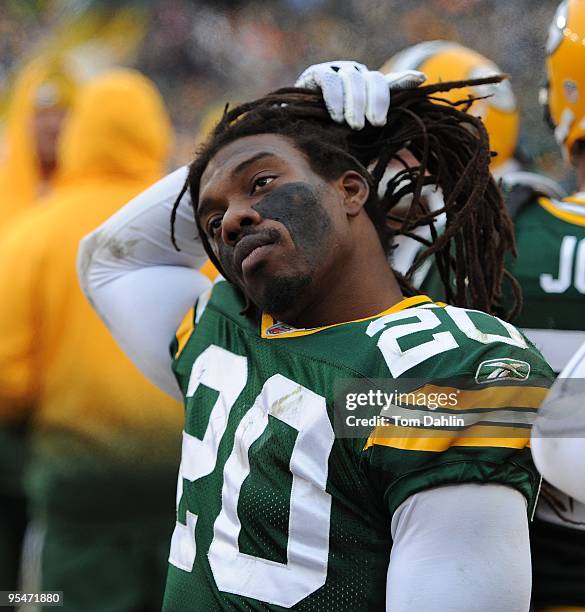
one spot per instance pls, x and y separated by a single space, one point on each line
279 328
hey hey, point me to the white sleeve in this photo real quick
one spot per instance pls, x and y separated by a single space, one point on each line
138 283
460 548
558 435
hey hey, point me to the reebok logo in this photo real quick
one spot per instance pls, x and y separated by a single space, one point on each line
502 369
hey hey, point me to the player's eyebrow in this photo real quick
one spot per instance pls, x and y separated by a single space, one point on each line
203 206
209 203
248 162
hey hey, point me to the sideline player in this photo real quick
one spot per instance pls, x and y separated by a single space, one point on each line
274 511
40 100
550 232
441 61
551 268
444 60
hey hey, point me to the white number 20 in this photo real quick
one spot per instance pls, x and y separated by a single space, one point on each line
285 584
308 541
400 361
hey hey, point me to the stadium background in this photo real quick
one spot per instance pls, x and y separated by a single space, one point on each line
203 53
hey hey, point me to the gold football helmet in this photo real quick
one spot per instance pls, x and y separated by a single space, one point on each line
564 93
448 61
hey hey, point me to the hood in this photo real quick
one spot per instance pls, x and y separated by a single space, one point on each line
20 176
118 127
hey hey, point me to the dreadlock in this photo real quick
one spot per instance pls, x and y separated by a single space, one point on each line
452 150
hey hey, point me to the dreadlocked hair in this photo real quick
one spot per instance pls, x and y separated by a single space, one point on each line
452 152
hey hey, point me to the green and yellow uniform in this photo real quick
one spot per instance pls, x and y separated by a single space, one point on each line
551 270
550 267
275 510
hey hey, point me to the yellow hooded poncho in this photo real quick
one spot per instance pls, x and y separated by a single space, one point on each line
20 176
101 427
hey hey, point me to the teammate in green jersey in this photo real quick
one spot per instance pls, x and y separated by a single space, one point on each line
551 268
277 506
551 232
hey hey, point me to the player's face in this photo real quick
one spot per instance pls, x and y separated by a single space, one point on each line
276 226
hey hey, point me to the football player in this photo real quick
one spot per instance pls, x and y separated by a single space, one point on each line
449 61
549 230
551 268
442 60
551 233
274 510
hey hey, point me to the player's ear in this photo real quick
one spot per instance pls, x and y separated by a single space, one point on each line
355 190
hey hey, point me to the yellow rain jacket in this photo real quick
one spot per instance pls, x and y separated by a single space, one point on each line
106 441
20 178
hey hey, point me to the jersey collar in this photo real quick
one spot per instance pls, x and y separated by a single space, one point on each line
570 210
577 198
269 328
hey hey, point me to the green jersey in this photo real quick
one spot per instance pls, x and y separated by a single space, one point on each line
550 267
274 510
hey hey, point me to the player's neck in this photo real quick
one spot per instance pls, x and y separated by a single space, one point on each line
363 288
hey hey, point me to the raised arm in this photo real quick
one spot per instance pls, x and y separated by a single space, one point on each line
139 284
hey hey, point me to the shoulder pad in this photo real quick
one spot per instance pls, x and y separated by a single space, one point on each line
522 188
542 185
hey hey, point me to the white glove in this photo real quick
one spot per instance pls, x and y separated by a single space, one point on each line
352 93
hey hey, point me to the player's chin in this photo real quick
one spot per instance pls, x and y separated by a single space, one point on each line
280 295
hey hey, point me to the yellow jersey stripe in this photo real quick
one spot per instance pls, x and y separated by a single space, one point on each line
438 441
184 331
209 270
268 322
575 199
561 214
491 397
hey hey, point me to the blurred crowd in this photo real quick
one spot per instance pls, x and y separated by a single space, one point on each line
202 53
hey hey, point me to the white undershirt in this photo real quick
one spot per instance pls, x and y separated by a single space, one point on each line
456 548
139 284
460 548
